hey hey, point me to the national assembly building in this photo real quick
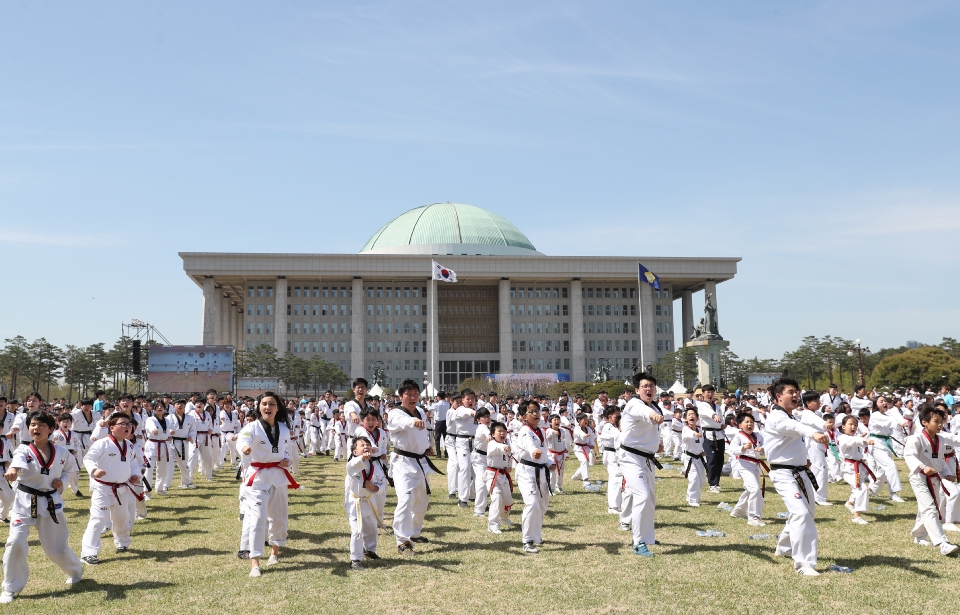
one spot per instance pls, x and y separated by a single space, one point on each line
513 309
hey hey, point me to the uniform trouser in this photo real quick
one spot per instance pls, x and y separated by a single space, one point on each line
556 470
928 524
216 450
315 437
440 434
265 517
639 475
799 536
751 500
673 445
363 526
536 499
480 486
6 498
818 465
294 449
106 511
244 530
714 449
859 493
54 539
696 477
834 468
202 455
951 514
614 480
885 469
340 447
501 500
464 469
229 453
73 475
453 464
410 483
180 455
583 471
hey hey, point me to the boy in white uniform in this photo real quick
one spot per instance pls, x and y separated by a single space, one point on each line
158 445
466 430
639 443
65 437
882 427
184 433
558 443
379 441
411 468
450 445
201 451
363 481
695 465
608 441
479 460
114 467
747 445
498 479
85 419
584 440
793 481
816 453
230 426
533 476
41 470
924 455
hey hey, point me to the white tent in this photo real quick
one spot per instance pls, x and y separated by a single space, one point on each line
376 391
677 388
429 391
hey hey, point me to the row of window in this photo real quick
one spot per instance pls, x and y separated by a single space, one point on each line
541 310
260 309
259 291
542 327
316 291
394 291
611 345
324 347
260 328
540 365
541 293
540 345
397 346
609 327
386 309
608 310
405 365
322 328
388 328
297 309
607 293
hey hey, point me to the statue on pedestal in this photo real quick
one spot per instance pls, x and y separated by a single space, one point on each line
602 373
707 328
378 378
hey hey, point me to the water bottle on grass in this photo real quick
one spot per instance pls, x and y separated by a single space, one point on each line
783 515
836 568
759 536
724 507
711 534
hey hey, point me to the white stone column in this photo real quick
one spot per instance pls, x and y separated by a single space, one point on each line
280 317
506 337
238 329
209 325
224 328
577 353
231 324
433 335
356 337
686 308
648 354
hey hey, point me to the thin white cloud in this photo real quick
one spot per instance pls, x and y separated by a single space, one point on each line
29 238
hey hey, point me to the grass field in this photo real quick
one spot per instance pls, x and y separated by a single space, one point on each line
183 560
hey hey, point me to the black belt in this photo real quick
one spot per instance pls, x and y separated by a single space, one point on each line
228 432
690 463
481 452
610 448
796 475
183 455
419 459
460 435
539 467
643 454
39 493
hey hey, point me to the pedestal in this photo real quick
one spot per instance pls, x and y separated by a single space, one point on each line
708 359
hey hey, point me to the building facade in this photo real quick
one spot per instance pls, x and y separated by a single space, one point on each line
513 309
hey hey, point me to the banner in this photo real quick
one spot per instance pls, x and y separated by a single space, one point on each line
186 369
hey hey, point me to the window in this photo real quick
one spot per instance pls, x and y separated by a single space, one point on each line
390 310
523 364
416 346
269 291
539 327
590 310
564 292
539 347
666 327
369 310
513 328
666 310
390 328
513 294
333 310
369 346
389 291
523 327
249 291
416 310
566 345
659 345
289 309
249 345
259 328
406 346
529 310
379 310
591 325
523 346
513 310
633 310
616 310
539 310
316 309
249 309
325 292
633 293
343 346
633 327
592 345
666 345
369 328
566 327
616 345
269 328
514 361
566 364
289 345
616 327
325 329
379 346
269 309
259 309
514 346
659 327
406 310
633 345
656 294
406 293
549 346
296 346
249 328
658 311
296 328
296 309
607 311
343 328
379 291
289 293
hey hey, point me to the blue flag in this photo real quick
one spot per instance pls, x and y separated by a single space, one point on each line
645 275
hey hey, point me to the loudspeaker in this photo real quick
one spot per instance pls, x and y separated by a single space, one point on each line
136 357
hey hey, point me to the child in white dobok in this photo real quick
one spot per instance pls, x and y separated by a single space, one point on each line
747 445
855 469
363 481
498 479
695 466
41 469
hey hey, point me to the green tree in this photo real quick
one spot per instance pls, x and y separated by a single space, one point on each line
15 361
926 367
951 347
45 364
295 372
260 362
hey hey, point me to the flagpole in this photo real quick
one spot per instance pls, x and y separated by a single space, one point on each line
643 366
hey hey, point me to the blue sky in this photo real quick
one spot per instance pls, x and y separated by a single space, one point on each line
816 140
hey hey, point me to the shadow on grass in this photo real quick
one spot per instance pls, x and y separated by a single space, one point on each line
762 553
167 534
113 591
901 563
166 556
315 539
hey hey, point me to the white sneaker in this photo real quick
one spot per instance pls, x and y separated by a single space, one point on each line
923 542
694 504
736 514
859 520
6 598
75 580
807 571
506 522
824 504
614 511
946 548
494 530
273 560
756 523
896 498
714 489
849 506
951 527
254 572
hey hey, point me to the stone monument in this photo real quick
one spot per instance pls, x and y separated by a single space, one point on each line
707 342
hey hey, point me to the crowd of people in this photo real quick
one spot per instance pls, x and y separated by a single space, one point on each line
800 440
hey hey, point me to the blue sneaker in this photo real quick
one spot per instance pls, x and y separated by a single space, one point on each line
641 549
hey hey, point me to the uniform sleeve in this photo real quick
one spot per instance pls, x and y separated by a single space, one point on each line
92 457
911 452
782 425
687 437
245 438
399 421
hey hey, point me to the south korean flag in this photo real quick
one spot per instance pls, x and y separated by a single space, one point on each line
442 274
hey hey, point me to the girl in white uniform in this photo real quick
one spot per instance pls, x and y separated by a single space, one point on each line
266 481
498 479
608 441
558 443
479 460
158 447
41 469
584 439
747 445
64 437
695 467
855 470
362 482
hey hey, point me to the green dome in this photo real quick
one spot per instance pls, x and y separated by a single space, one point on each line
449 228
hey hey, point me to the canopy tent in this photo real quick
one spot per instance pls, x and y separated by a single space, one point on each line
376 391
677 388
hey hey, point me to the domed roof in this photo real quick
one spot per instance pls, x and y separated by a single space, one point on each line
449 228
